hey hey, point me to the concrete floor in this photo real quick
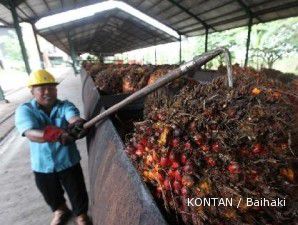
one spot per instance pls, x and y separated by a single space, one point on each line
21 202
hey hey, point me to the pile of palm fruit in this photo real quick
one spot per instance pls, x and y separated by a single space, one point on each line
124 78
212 141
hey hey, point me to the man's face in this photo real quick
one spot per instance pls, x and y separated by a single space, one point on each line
45 95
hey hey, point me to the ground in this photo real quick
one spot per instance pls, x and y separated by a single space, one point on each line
21 202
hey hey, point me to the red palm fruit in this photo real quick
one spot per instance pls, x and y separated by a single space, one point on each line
257 149
254 176
187 145
205 148
139 152
175 142
167 184
198 139
234 168
183 159
148 130
140 147
143 141
188 168
210 161
171 174
164 161
184 191
178 175
216 147
160 177
175 165
172 157
177 185
160 116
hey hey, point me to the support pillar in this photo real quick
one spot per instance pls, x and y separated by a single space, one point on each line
248 40
19 34
206 39
2 96
180 50
155 57
38 46
72 54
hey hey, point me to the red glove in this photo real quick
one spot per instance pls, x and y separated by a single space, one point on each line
52 133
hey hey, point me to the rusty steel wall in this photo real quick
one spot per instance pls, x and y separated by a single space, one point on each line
117 193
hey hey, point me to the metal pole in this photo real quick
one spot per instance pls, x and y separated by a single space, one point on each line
72 54
19 34
180 50
248 40
38 46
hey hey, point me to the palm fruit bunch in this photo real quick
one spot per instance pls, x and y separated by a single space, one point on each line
159 72
137 78
96 68
213 141
109 80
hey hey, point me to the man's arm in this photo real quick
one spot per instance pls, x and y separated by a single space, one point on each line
74 119
49 134
35 135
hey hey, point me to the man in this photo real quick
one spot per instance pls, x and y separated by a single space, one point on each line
52 126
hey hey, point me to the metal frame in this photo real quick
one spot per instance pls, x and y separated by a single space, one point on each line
12 8
223 19
38 46
191 14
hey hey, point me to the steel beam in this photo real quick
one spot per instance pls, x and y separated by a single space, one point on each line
19 34
38 46
248 11
191 14
72 54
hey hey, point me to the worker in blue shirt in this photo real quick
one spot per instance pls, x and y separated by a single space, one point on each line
52 126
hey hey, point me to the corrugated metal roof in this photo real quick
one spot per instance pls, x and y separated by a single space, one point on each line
116 31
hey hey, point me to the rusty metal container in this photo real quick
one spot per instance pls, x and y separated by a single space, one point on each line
117 192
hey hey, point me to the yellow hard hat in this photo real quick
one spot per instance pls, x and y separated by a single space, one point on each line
40 77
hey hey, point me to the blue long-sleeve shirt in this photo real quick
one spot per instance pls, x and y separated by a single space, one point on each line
48 157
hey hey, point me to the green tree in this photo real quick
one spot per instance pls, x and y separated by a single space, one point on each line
10 46
274 41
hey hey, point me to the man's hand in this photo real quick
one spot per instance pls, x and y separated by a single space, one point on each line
76 129
52 133
55 134
66 138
